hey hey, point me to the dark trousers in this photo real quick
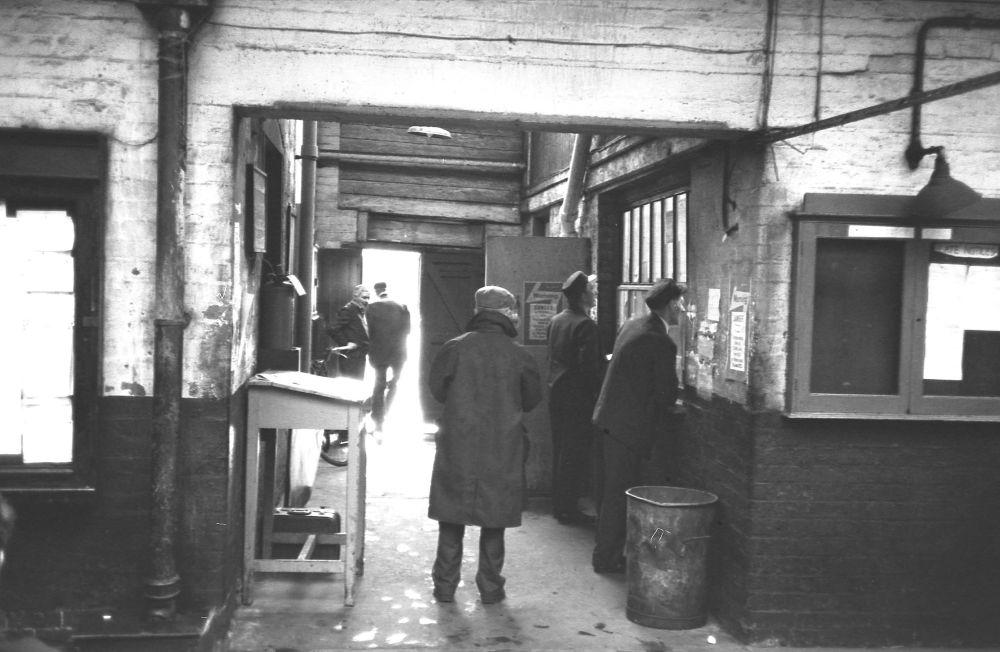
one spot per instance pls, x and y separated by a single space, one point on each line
384 390
621 471
447 566
572 440
353 366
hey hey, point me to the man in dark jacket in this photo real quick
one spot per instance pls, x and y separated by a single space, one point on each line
635 403
350 333
574 378
388 326
486 382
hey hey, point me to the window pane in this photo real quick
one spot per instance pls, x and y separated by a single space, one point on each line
626 246
962 342
37 341
656 267
681 238
668 237
645 254
636 244
856 317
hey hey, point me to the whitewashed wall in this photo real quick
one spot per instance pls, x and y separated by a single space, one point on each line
91 66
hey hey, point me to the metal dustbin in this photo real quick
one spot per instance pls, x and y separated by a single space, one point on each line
667 552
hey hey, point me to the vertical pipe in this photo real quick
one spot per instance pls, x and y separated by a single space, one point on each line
163 584
307 237
574 185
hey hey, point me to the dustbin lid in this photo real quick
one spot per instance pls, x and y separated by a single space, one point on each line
662 496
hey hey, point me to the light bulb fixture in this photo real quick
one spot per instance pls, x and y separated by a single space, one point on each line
942 194
430 132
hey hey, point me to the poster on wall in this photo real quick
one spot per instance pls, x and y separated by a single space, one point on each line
541 303
739 313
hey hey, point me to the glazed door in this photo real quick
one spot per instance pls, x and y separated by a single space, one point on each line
534 268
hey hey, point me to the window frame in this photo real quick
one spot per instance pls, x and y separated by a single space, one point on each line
64 171
632 215
831 216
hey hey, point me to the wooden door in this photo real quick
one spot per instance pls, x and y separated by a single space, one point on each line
534 268
448 283
337 272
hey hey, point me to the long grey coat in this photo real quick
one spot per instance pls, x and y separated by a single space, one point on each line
486 382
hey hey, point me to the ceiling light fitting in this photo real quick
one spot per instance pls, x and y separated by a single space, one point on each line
430 132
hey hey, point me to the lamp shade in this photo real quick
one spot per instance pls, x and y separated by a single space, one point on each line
942 194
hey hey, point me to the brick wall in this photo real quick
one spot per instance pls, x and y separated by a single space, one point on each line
89 553
866 533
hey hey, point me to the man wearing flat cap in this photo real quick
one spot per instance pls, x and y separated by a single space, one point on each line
633 407
486 382
574 378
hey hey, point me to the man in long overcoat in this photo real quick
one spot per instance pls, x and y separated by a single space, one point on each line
574 378
486 382
635 404
388 327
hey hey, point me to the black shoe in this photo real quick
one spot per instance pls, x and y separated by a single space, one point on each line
616 566
442 596
493 598
575 518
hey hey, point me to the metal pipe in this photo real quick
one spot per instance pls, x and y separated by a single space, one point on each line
958 88
163 584
574 185
915 151
307 237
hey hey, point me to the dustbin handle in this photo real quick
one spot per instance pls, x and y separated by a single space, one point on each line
675 543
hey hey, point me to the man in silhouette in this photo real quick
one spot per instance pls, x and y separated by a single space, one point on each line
388 327
574 378
634 406
350 334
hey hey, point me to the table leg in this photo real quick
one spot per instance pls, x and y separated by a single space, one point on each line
250 506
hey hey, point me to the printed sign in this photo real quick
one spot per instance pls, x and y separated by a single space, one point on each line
541 303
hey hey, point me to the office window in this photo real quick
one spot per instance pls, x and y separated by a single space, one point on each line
895 321
51 194
654 246
36 339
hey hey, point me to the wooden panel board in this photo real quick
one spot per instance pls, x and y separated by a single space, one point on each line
432 208
394 139
422 232
415 188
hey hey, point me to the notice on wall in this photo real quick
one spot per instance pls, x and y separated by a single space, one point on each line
739 313
541 303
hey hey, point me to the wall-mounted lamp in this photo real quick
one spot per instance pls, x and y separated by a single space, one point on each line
942 194
430 132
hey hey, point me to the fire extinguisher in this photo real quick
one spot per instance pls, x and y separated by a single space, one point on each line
277 311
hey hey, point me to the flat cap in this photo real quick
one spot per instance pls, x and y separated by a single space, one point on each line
663 292
494 297
576 283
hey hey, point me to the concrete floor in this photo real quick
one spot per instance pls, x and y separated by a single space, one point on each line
554 599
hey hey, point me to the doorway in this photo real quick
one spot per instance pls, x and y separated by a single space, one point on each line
400 271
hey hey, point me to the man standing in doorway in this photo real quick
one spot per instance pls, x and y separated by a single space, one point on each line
574 378
635 403
350 333
486 382
388 327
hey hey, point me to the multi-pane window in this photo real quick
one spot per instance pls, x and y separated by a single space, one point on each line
36 337
654 246
51 207
896 321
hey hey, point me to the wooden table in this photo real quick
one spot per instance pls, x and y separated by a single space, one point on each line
292 399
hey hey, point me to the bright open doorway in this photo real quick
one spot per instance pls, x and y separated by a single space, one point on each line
400 271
